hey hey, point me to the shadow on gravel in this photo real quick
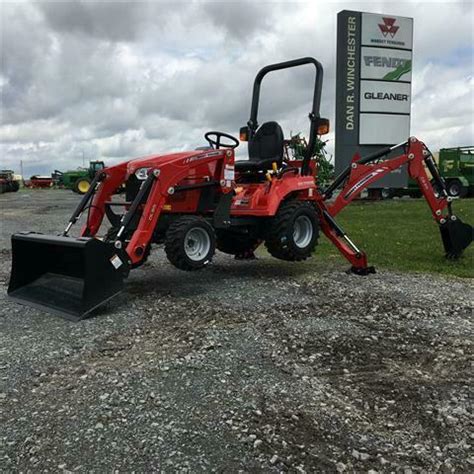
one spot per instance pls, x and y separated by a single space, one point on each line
165 280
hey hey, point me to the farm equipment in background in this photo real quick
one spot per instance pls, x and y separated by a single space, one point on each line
78 180
39 182
8 182
196 201
456 168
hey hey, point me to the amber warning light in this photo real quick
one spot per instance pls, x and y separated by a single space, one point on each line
323 126
244 134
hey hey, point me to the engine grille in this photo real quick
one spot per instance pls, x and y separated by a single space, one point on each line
132 186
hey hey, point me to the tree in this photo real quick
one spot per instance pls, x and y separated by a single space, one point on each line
297 146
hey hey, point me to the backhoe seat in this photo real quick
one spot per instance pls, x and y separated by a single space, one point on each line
265 147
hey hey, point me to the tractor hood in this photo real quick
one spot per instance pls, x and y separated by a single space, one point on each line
180 159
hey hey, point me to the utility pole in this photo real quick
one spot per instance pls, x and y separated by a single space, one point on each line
21 172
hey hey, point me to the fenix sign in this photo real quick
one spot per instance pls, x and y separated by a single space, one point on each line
374 72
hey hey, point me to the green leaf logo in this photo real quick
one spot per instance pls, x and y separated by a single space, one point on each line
396 74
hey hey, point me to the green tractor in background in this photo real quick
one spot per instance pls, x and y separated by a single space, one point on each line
456 166
78 180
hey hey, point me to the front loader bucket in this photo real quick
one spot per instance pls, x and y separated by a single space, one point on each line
64 275
456 236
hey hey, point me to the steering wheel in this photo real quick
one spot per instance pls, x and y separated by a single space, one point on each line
216 144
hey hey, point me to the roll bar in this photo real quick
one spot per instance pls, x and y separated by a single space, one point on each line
313 115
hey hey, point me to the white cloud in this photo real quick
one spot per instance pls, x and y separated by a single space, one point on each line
123 79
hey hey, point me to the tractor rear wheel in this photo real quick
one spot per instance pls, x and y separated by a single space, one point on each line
235 243
294 231
190 243
82 185
15 186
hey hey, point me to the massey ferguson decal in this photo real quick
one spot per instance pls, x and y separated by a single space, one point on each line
361 183
387 31
200 157
388 27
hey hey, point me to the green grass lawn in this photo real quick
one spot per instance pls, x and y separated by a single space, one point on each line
401 235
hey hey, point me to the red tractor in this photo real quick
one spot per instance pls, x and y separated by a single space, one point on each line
194 202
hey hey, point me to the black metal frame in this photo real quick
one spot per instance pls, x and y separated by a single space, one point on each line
139 199
313 115
100 176
376 155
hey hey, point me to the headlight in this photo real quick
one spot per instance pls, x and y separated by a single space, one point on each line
142 173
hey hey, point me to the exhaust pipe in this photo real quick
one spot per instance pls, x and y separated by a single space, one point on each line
63 275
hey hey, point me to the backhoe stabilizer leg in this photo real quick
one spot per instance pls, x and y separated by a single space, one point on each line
356 257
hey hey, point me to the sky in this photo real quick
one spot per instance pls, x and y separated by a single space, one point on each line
116 80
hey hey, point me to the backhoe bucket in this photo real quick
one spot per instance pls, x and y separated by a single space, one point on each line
64 275
456 236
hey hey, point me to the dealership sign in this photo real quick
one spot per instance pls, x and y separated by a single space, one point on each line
373 93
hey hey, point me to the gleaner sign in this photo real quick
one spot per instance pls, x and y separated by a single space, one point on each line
373 94
385 96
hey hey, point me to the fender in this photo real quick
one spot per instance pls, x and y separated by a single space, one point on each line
264 199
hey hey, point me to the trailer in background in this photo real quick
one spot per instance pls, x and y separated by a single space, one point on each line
39 182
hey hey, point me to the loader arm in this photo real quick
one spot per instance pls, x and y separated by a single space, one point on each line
154 192
362 172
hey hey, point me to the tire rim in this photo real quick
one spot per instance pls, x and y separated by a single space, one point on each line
197 244
83 186
303 231
385 193
454 190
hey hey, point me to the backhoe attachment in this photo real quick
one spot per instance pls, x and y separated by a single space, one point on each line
456 235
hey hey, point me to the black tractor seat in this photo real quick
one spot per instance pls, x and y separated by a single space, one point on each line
265 148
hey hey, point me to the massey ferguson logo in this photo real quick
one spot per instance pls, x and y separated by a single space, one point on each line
388 27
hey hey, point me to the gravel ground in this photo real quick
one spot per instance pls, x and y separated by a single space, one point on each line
245 366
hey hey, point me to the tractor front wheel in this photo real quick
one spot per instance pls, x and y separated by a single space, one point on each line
82 185
190 243
294 231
